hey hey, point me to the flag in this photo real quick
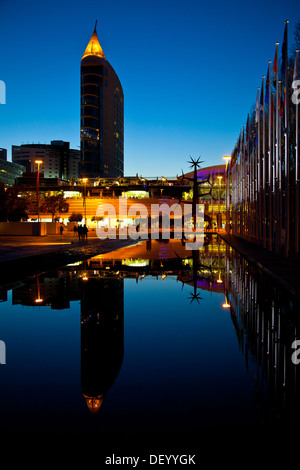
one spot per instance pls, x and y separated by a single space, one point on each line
261 107
257 107
275 63
275 67
295 74
284 54
280 104
267 86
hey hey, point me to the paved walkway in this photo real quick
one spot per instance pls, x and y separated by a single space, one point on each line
12 247
285 271
28 255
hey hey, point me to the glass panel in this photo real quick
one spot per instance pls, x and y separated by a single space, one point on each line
89 145
90 122
90 134
90 156
90 90
90 111
91 79
90 99
92 69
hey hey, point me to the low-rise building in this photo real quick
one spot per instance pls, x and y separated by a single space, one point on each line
58 160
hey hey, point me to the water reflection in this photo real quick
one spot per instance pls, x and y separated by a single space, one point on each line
266 321
263 316
102 336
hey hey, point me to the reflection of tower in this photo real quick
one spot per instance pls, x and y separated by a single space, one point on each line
102 337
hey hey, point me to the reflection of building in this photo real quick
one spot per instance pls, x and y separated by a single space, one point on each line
266 324
102 337
102 115
55 289
59 161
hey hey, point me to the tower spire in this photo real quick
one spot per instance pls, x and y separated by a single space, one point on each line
93 47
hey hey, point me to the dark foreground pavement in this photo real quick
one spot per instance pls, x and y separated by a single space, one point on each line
26 256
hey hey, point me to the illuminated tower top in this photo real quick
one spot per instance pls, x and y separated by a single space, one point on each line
93 48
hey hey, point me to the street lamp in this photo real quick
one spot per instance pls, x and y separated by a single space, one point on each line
84 180
226 304
38 299
38 162
227 158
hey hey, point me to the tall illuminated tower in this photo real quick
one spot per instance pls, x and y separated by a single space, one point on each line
102 115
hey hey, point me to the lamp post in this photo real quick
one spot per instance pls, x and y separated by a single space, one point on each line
84 180
227 158
38 300
226 304
38 162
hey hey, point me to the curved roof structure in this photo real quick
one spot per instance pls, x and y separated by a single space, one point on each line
94 48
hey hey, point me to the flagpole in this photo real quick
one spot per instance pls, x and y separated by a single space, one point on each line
243 182
270 159
297 178
263 163
274 217
251 186
286 145
276 151
248 177
279 171
258 169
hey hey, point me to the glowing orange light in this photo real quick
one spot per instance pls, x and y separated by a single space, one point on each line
93 47
39 301
226 305
39 162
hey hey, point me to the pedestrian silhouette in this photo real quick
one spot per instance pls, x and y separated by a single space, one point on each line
79 231
85 232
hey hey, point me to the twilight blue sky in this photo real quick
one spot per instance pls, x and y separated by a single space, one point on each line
189 71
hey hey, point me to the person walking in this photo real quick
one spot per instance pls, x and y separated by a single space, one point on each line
61 229
79 231
85 232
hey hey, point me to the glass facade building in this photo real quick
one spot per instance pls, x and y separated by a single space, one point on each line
102 115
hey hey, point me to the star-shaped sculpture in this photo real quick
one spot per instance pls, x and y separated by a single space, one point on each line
195 296
195 163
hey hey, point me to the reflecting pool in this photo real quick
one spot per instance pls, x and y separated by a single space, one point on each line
151 342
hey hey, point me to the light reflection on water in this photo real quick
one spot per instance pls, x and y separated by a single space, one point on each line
163 342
